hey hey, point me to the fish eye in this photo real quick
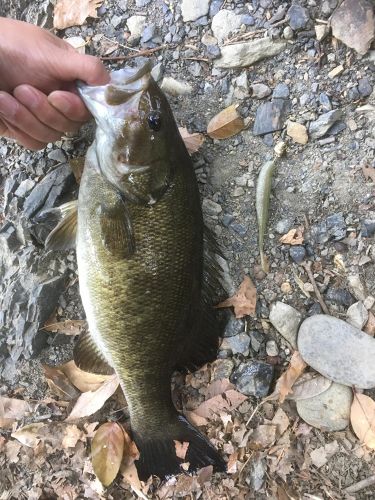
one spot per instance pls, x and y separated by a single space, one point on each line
154 121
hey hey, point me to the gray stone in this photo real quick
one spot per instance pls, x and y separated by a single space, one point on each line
281 91
157 72
57 155
368 228
286 320
215 7
259 90
337 128
283 226
298 17
241 55
116 21
136 25
194 9
270 116
24 187
364 87
288 33
148 33
234 327
238 344
224 23
211 207
338 351
328 411
297 253
336 226
223 368
321 126
253 378
271 348
257 471
257 339
357 315
325 101
339 296
142 3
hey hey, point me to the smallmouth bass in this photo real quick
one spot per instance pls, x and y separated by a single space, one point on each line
140 246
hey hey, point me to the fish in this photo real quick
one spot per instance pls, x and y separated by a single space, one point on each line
146 265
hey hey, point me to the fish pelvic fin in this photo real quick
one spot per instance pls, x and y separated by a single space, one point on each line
88 357
63 236
158 457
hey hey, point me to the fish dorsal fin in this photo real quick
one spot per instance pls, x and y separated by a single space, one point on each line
63 237
116 229
89 358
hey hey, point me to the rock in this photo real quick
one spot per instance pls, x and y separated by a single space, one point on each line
315 309
57 155
175 87
47 193
24 187
364 87
224 23
283 226
157 72
298 17
259 90
257 471
234 327
368 228
194 9
288 33
337 128
325 102
321 31
136 25
353 24
297 132
142 3
286 320
281 91
270 116
336 71
336 226
257 339
241 90
339 296
238 344
116 21
328 411
253 378
211 207
148 33
321 126
222 368
241 55
271 348
338 351
297 253
357 315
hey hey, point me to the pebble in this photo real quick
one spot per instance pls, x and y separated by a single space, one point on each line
336 71
260 90
288 33
57 155
357 315
297 132
339 296
298 17
368 228
270 116
286 320
194 9
297 253
257 471
325 102
281 91
283 226
238 344
238 191
364 87
223 368
157 72
321 126
321 31
211 207
175 87
234 327
241 55
338 351
328 411
257 339
271 348
24 187
253 378
224 23
136 25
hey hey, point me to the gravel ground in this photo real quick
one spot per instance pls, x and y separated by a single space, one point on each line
318 184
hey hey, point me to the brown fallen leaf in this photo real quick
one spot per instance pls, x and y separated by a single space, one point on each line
285 383
84 381
12 410
262 437
192 141
225 124
59 383
68 13
68 327
181 449
229 400
128 468
370 325
309 385
91 401
29 435
232 463
369 173
218 387
362 418
107 449
244 301
71 436
293 237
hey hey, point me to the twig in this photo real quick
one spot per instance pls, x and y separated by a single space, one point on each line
141 53
307 267
196 59
361 485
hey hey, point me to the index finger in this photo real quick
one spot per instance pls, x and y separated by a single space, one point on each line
70 105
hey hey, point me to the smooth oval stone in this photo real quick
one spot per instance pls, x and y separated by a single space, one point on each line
338 351
328 411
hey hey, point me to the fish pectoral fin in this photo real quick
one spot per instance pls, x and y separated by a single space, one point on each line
116 229
88 357
63 237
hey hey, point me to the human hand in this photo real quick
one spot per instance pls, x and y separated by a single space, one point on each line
38 102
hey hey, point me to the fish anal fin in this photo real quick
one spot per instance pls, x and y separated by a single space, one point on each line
88 357
116 229
63 236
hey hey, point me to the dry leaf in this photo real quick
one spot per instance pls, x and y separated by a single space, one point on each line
128 468
192 141
67 327
281 420
59 383
370 325
293 237
229 400
106 451
91 401
369 173
84 381
71 436
181 449
12 410
195 419
232 463
74 13
218 387
309 385
244 301
225 124
285 383
12 448
362 418
262 437
29 435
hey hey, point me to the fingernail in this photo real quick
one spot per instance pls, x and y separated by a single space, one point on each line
8 105
61 103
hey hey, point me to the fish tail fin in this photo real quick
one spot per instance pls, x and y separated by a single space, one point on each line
157 456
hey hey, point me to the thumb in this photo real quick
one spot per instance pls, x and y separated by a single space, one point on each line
89 69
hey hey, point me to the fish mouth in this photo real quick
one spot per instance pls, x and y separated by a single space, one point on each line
126 168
